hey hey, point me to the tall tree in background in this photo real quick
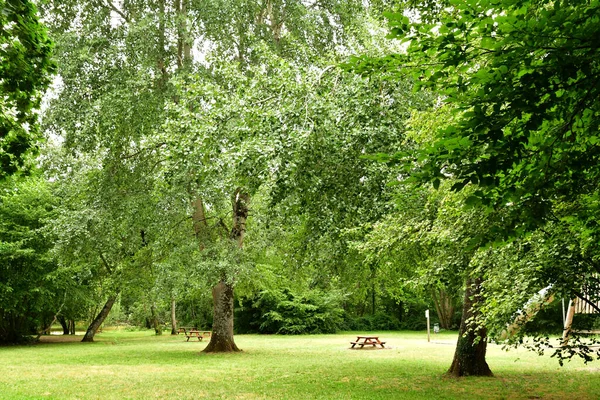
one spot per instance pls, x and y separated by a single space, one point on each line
114 70
25 68
118 69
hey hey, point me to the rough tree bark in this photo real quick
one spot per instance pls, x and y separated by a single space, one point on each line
221 339
95 325
173 319
469 357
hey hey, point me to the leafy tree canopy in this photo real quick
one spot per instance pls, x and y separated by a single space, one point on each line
25 66
524 79
30 282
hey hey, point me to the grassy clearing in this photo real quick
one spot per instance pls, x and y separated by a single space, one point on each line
139 365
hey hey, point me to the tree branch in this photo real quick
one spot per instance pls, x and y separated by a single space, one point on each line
106 265
46 328
156 146
590 303
111 6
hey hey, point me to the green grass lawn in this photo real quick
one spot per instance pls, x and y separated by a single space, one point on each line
139 365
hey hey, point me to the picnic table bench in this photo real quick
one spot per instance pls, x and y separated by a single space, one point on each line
363 341
197 334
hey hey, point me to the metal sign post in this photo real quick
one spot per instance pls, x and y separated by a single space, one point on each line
428 329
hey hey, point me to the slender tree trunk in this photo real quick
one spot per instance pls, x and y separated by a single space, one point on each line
63 323
173 319
569 321
373 309
400 311
71 327
221 339
535 305
184 49
47 329
95 325
469 357
155 322
444 306
199 223
161 62
46 326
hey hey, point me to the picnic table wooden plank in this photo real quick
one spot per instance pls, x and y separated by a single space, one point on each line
197 334
362 341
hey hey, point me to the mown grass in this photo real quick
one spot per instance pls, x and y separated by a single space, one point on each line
139 365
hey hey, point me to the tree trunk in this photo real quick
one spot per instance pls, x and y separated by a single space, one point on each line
221 339
46 326
155 322
173 320
63 323
95 325
569 321
200 225
469 357
184 49
161 62
444 306
71 327
373 309
532 307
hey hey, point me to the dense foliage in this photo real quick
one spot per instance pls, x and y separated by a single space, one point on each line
211 159
25 66
520 79
31 287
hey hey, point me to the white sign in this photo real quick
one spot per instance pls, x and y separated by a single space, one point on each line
427 314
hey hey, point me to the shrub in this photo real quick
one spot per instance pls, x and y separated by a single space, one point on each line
380 321
283 311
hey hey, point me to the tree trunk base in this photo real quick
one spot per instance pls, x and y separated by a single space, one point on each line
97 322
457 372
472 364
221 339
173 319
471 347
221 346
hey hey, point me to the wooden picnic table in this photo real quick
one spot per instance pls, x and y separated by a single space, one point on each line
185 329
363 341
197 334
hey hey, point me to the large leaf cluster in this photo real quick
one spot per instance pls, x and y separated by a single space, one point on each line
28 273
523 76
25 66
521 79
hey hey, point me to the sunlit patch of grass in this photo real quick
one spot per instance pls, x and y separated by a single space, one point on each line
140 365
